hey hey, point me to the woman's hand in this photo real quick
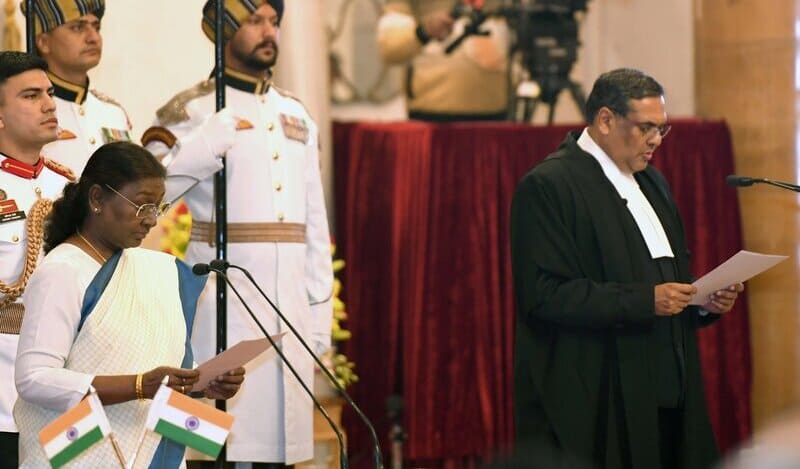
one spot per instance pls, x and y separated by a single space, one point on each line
180 379
225 386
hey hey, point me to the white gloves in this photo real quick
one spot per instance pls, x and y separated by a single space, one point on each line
219 132
320 343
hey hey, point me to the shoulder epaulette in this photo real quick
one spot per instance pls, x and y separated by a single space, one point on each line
59 168
290 95
174 112
159 134
108 99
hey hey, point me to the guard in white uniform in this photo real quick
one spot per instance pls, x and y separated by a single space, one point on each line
28 183
68 38
277 226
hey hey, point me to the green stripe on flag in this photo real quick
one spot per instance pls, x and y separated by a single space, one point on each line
76 448
188 438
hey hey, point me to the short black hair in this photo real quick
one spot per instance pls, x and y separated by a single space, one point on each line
616 88
13 63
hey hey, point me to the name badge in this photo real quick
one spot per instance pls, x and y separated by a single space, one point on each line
115 135
294 128
10 212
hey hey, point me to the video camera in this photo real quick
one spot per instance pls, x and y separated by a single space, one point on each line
544 49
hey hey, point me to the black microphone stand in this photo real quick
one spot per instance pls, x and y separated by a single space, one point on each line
378 457
782 185
342 455
743 181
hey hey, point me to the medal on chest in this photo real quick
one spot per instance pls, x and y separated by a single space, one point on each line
294 128
8 210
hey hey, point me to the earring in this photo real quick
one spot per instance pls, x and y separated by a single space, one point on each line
96 210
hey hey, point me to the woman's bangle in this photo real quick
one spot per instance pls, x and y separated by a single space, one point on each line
139 390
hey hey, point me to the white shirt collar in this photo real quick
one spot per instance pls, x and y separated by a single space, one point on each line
639 207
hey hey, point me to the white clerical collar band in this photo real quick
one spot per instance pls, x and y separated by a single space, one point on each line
628 189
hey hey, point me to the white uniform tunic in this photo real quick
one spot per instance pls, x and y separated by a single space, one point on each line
21 185
273 175
87 119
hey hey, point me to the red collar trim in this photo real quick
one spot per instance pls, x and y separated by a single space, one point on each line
23 170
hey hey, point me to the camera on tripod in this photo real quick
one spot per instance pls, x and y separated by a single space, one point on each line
542 53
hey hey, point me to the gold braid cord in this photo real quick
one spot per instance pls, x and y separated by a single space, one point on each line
11 40
35 229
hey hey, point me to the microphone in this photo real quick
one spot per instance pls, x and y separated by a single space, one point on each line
378 457
201 269
204 269
739 181
744 181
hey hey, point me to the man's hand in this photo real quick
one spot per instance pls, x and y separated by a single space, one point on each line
219 132
721 301
672 298
438 25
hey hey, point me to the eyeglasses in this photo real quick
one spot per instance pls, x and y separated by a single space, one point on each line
144 210
648 129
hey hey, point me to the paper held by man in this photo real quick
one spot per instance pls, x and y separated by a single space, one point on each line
742 266
234 357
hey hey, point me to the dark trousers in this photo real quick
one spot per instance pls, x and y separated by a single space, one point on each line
229 465
669 429
9 450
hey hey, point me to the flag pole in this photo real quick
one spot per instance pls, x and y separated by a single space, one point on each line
122 463
221 198
138 446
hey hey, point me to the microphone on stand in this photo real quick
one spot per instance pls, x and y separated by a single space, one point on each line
744 181
220 264
204 269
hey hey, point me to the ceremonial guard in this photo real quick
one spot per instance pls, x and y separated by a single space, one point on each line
68 38
277 225
28 184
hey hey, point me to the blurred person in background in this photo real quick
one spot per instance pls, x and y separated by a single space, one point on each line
468 84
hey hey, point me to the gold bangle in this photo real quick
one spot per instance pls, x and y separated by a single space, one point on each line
139 390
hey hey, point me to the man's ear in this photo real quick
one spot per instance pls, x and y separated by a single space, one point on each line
43 44
603 120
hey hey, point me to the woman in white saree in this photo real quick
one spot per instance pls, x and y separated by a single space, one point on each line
102 312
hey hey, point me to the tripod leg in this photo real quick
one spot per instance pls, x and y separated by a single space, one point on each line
578 96
551 113
530 109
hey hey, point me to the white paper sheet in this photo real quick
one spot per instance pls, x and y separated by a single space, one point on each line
744 265
234 357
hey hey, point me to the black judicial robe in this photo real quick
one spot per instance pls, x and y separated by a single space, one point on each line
584 370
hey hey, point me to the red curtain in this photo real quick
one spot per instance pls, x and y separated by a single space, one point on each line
422 216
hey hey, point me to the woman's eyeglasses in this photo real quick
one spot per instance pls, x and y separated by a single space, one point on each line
144 210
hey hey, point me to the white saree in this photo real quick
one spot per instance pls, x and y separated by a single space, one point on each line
130 325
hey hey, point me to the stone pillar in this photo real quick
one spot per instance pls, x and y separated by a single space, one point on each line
746 59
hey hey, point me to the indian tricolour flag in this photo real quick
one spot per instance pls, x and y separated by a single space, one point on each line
75 431
188 421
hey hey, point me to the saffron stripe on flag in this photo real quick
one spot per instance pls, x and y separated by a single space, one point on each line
62 441
76 448
188 438
200 410
181 419
65 421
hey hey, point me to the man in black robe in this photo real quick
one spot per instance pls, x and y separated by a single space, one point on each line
606 364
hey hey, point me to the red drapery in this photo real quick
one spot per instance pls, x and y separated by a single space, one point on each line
422 220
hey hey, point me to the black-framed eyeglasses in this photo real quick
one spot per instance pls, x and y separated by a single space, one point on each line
144 210
648 129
